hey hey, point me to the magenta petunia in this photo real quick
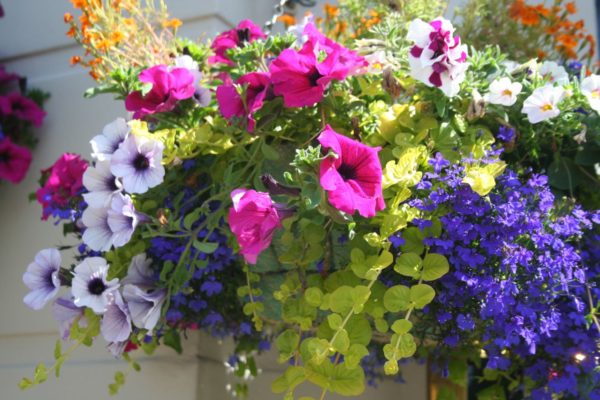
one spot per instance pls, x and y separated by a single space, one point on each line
302 79
245 32
21 107
257 87
253 220
169 85
65 181
14 161
353 178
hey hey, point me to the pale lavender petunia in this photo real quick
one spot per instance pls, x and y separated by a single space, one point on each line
139 273
116 321
122 219
101 185
65 312
97 235
138 163
42 278
145 307
90 286
105 144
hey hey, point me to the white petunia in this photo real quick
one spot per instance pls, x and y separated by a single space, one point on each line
116 321
97 235
105 144
590 88
90 287
145 307
543 103
122 219
101 185
138 163
554 73
503 92
139 273
42 278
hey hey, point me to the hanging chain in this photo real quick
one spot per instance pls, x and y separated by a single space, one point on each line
280 8
278 11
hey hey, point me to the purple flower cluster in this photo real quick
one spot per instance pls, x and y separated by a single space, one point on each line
518 279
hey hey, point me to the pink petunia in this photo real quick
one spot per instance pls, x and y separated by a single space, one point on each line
302 79
353 179
245 32
169 85
22 107
6 77
253 220
14 161
257 86
65 181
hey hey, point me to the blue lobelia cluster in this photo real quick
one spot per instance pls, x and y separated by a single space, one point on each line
524 271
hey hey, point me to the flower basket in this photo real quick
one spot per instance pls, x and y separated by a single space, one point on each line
358 192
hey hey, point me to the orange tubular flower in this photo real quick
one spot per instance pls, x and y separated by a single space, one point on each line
79 3
331 11
571 8
68 17
172 23
75 60
567 41
287 20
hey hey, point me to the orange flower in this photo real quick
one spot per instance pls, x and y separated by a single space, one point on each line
75 60
568 41
117 36
331 11
579 24
79 3
570 7
71 32
68 17
173 23
526 15
287 19
543 11
541 54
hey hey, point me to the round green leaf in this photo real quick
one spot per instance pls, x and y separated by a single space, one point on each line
409 264
421 295
397 298
434 267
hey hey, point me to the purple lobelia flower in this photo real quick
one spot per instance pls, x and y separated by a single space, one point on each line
101 185
90 287
139 273
65 312
97 235
145 307
42 278
105 144
122 219
138 163
116 321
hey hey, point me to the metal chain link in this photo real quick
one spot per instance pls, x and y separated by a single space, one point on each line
280 8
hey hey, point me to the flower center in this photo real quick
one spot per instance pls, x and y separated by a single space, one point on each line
547 107
313 77
96 286
347 172
506 92
141 162
243 35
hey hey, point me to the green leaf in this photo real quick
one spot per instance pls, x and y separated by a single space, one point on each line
397 298
25 383
192 217
292 377
269 152
409 264
173 340
495 392
563 174
360 295
337 378
57 349
205 247
588 156
421 295
334 321
41 374
341 342
413 238
342 300
434 267
381 325
355 354
287 343
313 296
359 330
402 326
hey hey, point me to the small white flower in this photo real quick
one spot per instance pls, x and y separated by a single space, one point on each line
580 137
543 103
105 144
90 287
97 235
101 185
590 88
554 73
503 92
138 163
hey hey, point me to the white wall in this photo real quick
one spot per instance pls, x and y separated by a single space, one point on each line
32 43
